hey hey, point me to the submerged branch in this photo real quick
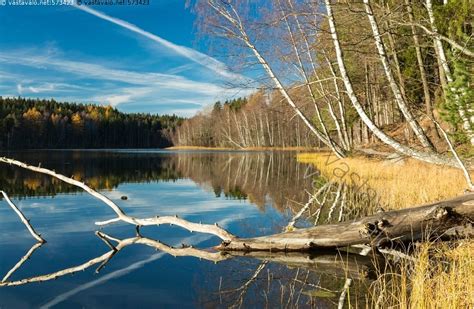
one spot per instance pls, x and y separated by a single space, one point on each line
342 298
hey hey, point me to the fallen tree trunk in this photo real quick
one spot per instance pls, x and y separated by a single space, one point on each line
409 224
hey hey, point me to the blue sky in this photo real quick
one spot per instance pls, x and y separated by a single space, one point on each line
136 58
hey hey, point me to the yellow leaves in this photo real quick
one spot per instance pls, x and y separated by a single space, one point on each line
76 119
32 183
55 118
108 111
94 115
78 175
77 122
32 114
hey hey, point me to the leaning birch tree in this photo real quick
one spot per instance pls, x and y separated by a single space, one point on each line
231 25
402 105
429 157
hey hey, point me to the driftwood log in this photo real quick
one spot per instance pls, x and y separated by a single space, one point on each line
400 225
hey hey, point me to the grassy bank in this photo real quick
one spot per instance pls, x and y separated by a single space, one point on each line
397 184
441 275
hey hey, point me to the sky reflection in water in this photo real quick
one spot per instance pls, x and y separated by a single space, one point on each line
247 193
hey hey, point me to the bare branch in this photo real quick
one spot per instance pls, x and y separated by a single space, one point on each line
455 154
22 260
342 298
23 219
121 216
106 257
462 49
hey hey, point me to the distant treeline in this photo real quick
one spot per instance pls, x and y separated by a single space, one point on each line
245 122
33 123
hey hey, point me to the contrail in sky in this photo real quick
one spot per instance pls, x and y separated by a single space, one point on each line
189 53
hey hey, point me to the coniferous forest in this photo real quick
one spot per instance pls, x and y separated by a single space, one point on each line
40 124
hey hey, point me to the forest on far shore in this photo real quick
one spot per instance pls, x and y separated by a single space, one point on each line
39 124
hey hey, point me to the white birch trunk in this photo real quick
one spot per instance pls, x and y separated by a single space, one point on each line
335 148
419 58
236 22
393 85
417 154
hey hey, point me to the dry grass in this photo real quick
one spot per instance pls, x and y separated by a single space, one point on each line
397 185
442 275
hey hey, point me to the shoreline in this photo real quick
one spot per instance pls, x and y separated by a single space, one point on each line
304 149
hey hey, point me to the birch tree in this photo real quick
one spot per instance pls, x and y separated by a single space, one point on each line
419 58
232 26
403 149
393 85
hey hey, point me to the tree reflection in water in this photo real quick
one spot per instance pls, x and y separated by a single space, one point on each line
283 279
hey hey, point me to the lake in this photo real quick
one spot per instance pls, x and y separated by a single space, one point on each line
247 193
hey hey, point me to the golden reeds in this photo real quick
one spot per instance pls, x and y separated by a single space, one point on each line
442 274
398 185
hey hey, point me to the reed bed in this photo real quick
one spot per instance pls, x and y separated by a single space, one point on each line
398 184
441 275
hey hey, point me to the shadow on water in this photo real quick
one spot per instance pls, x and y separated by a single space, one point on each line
273 182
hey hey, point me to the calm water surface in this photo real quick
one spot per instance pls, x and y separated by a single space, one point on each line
248 193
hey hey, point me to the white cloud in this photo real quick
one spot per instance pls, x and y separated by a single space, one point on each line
41 72
181 68
144 88
126 95
91 70
19 88
42 88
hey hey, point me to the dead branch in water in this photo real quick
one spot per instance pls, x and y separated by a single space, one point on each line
399 225
338 264
354 266
106 257
23 219
342 298
25 258
121 216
